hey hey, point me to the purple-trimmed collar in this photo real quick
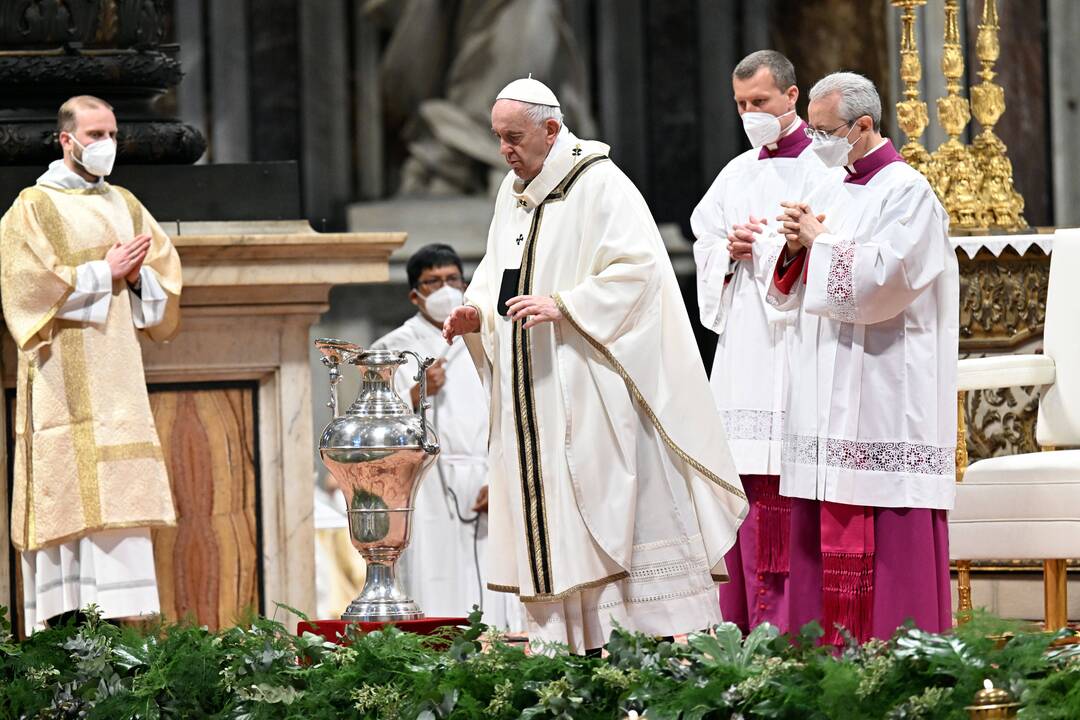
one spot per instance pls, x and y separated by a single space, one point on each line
872 163
789 146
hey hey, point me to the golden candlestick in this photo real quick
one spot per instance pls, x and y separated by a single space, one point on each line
954 172
1000 204
911 112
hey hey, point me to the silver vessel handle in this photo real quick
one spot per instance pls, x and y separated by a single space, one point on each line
335 378
334 352
421 378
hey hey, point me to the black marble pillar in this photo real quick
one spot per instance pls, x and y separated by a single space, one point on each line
274 79
674 131
114 49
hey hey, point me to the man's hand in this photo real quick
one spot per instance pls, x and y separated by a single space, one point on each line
481 504
800 225
462 321
436 378
126 259
537 308
741 238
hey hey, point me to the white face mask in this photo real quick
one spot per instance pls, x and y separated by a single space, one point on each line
97 157
833 151
439 304
762 128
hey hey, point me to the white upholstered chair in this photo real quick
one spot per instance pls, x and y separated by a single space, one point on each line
1028 506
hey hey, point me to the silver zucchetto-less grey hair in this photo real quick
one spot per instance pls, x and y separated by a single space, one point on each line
539 113
858 96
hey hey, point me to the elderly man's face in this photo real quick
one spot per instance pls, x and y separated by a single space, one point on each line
759 93
523 144
824 114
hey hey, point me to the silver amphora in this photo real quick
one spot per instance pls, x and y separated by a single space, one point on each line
378 451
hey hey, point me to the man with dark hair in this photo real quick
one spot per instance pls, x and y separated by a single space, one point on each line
85 268
442 567
748 375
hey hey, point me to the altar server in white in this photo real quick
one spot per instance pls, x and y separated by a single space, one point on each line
613 493
733 275
442 567
870 433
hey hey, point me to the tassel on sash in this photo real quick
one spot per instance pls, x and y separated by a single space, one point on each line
847 564
773 526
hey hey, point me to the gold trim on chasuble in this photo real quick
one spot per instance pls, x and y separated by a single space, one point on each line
88 454
526 424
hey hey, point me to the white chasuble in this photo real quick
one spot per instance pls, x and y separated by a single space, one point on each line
443 567
872 408
749 374
613 493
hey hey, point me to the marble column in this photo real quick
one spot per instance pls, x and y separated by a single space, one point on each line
620 52
1063 27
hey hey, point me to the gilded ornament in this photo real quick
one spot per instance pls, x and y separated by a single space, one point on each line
953 170
1001 206
911 112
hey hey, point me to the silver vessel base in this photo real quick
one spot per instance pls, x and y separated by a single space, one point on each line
382 612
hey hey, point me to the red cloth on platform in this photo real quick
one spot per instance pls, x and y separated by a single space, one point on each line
334 630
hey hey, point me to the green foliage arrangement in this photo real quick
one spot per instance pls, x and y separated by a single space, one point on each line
260 670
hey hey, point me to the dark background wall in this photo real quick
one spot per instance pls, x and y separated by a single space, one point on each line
286 79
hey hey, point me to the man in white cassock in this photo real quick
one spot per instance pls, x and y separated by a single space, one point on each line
613 495
749 374
443 565
85 270
870 432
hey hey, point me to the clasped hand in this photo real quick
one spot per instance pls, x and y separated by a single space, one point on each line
741 238
799 225
126 259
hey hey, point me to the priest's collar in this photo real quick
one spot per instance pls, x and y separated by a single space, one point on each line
872 162
564 155
61 177
791 143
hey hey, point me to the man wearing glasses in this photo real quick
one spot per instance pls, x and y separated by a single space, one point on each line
442 565
870 430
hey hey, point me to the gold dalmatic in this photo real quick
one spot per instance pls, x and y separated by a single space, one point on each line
87 455
1001 206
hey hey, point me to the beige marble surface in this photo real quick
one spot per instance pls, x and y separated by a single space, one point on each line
251 294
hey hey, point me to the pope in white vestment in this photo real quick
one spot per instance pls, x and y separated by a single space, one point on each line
613 494
749 374
442 568
870 432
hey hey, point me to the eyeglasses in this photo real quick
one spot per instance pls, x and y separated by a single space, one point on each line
432 284
823 135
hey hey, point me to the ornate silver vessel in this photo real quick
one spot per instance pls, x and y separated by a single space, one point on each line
378 451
